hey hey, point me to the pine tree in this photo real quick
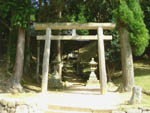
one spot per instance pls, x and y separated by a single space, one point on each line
133 33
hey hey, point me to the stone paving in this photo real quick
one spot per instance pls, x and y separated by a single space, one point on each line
84 98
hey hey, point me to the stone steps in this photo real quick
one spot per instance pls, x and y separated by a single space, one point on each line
65 109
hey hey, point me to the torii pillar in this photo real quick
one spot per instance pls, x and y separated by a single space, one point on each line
101 57
46 58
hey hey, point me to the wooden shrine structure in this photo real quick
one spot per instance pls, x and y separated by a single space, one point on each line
100 37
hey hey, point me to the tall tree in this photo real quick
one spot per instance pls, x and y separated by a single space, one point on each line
18 68
133 33
20 12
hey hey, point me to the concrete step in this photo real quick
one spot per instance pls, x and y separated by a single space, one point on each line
65 109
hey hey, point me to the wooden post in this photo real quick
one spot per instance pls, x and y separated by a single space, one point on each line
38 61
102 67
46 58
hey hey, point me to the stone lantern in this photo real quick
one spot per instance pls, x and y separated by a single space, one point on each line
54 80
92 78
93 65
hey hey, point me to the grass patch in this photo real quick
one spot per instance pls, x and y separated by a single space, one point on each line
142 75
144 104
142 79
146 100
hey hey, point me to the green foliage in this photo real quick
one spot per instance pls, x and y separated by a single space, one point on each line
145 4
113 49
18 11
99 10
130 14
22 13
77 15
4 8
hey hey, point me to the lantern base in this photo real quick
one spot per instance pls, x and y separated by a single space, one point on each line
93 80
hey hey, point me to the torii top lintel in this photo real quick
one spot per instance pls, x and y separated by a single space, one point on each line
63 26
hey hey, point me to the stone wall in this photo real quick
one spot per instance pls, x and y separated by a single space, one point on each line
20 106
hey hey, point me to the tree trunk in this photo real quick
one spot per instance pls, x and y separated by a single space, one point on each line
18 68
127 60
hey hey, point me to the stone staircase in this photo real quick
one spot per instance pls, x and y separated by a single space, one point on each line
65 109
81 99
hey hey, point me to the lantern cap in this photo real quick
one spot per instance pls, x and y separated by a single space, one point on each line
92 62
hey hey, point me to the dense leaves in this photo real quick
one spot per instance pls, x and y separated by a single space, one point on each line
19 12
130 14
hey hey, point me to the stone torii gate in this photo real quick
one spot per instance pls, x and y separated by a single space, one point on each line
74 26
